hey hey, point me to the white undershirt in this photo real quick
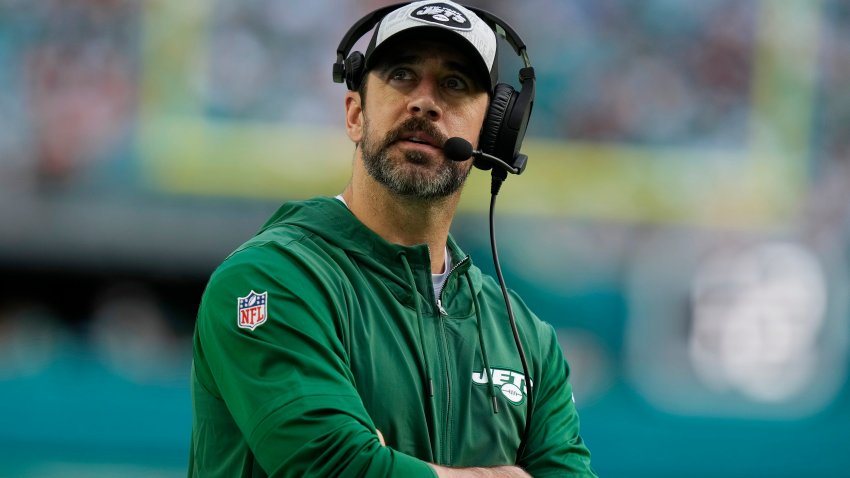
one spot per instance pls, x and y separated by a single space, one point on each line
437 280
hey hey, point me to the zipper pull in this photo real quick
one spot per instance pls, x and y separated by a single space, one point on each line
440 306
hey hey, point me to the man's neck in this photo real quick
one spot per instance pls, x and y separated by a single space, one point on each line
401 220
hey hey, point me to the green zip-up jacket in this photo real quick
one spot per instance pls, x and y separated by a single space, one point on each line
316 332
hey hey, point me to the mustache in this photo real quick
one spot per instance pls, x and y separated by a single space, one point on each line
412 125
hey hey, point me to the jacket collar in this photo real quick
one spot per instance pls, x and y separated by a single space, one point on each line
331 220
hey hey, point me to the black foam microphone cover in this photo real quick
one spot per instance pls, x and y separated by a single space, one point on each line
457 149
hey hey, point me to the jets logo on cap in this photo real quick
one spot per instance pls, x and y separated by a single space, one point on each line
442 14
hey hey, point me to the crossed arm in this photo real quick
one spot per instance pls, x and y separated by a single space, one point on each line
492 472
495 472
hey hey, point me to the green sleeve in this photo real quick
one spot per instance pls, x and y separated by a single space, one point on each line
555 447
287 383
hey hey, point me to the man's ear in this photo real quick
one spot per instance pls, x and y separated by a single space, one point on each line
353 116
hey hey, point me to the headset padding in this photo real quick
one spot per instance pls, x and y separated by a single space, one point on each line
354 65
496 113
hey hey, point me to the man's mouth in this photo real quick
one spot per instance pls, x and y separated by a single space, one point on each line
419 138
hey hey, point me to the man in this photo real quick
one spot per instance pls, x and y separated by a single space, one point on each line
351 336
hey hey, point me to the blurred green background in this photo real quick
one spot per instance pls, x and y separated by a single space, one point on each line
684 221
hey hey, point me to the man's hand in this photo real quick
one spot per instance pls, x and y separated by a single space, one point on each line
494 472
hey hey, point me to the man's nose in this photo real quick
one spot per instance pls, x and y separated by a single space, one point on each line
424 100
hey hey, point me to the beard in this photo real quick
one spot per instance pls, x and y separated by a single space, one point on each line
405 178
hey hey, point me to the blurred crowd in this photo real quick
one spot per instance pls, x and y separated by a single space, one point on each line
656 72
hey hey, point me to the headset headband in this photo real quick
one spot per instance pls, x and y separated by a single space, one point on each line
369 21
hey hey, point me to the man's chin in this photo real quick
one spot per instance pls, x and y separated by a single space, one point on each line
413 173
417 181
420 154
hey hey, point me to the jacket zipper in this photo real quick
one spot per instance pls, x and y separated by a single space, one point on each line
440 293
447 429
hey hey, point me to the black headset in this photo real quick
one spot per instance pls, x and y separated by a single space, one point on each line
509 111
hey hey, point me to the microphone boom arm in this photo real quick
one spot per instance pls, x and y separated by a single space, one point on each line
459 149
507 167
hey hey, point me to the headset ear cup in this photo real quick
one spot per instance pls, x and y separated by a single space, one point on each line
354 65
497 112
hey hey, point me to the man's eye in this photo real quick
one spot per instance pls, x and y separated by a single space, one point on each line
400 74
455 83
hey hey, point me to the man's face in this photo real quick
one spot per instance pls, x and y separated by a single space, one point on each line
418 96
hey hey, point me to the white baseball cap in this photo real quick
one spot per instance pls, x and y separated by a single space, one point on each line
445 16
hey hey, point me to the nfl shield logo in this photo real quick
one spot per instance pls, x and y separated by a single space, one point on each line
251 310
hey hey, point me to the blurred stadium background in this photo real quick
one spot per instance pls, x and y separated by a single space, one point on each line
684 221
